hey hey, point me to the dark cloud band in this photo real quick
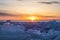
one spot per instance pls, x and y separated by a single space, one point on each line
52 2
2 4
3 13
19 0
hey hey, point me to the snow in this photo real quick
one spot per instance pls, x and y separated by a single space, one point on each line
17 32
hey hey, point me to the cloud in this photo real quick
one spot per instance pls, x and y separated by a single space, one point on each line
19 0
5 14
3 4
52 2
51 16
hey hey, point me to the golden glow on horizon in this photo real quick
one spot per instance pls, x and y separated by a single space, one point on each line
32 18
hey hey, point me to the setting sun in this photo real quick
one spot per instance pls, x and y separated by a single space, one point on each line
32 18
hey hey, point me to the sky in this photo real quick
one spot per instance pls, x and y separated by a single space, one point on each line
46 8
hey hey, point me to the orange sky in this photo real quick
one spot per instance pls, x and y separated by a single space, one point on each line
26 17
42 11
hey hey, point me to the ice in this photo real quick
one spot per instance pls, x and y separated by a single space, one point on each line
34 31
46 31
12 28
57 38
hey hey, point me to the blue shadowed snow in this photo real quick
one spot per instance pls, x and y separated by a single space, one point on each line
27 31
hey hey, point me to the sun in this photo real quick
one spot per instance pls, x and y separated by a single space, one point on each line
32 18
